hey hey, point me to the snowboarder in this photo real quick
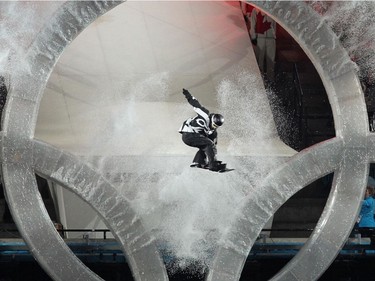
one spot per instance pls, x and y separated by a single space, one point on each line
200 131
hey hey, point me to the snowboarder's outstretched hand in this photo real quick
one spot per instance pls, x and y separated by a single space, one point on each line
186 94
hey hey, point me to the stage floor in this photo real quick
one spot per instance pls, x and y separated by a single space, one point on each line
355 261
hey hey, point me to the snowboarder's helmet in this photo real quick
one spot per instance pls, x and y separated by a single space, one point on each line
216 120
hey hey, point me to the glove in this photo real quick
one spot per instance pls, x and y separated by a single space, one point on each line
186 93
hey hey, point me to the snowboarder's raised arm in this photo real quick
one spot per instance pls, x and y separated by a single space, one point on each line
195 103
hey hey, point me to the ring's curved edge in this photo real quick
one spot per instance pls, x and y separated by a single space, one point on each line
19 123
338 74
71 173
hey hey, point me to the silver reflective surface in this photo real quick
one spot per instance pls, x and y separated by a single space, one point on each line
347 155
22 157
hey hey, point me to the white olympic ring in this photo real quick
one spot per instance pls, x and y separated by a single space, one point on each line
348 155
22 157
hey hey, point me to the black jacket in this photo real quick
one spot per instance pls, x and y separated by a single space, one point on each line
199 124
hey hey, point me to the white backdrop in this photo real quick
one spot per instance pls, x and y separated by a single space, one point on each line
116 90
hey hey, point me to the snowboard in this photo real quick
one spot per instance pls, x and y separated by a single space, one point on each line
224 170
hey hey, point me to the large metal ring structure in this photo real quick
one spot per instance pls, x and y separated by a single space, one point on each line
22 157
347 155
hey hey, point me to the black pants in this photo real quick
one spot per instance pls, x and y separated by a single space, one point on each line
206 147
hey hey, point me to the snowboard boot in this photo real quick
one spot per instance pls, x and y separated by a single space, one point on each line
198 165
217 166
